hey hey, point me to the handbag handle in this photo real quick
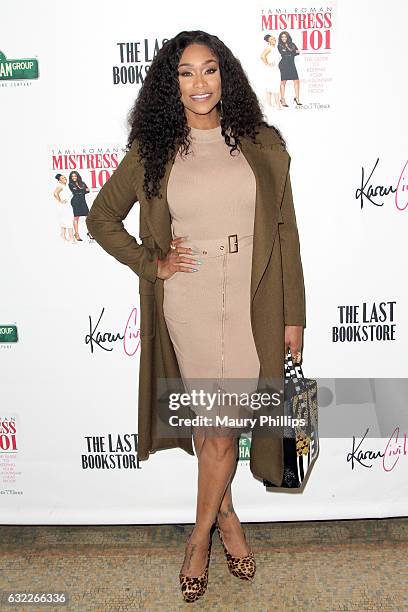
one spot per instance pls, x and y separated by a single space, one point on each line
292 370
294 373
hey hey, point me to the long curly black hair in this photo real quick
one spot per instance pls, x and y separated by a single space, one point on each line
289 42
158 121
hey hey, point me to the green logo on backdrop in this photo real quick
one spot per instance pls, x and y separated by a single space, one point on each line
8 333
244 448
17 69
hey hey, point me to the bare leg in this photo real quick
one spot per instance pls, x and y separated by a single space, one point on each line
282 91
296 85
228 521
232 532
216 464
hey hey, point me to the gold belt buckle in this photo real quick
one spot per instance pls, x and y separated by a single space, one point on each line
235 244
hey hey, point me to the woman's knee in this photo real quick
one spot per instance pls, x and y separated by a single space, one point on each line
221 446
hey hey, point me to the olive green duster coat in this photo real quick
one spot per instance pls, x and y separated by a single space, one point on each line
277 285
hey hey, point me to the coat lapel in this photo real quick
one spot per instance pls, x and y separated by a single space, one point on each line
270 168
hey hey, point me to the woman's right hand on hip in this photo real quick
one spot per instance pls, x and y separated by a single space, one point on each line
174 258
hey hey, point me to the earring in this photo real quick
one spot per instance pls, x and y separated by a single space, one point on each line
221 109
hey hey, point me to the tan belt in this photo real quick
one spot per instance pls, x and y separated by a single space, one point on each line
218 246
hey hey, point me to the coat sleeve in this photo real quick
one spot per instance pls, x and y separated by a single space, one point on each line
105 221
292 270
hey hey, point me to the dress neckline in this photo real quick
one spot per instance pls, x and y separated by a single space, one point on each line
211 135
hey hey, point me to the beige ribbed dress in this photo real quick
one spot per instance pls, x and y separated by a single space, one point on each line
211 195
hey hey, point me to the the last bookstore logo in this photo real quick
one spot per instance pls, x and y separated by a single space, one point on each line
133 60
110 452
365 322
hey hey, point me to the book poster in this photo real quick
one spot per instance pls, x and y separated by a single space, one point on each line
296 45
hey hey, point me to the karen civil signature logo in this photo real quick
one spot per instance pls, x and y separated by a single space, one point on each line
128 338
371 192
395 449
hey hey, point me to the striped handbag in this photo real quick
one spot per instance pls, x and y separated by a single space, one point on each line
301 441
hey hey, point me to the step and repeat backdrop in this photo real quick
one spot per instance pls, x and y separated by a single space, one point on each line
69 313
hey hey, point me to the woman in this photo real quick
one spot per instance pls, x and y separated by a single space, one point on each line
212 179
78 202
271 58
62 195
288 50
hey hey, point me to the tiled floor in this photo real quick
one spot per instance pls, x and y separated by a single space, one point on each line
358 565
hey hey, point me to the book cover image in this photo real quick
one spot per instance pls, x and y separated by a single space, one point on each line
296 44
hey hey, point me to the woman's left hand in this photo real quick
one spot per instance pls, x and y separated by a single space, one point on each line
293 340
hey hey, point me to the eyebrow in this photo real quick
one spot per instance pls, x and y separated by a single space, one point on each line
206 62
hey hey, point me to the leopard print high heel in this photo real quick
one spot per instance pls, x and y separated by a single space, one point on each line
193 587
240 567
